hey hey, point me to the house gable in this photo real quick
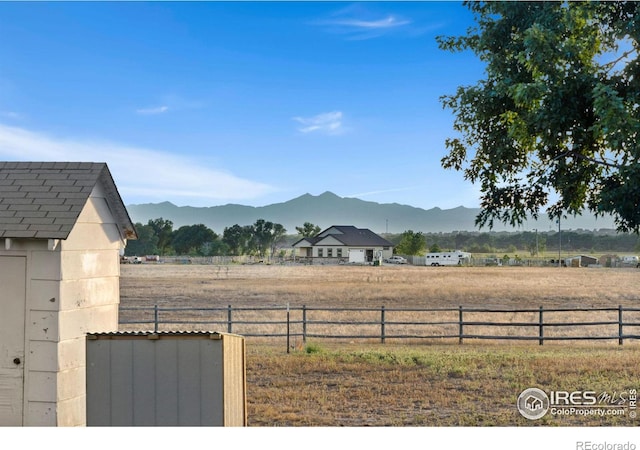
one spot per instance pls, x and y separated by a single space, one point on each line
305 242
329 241
337 229
43 200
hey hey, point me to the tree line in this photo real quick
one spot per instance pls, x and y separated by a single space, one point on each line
530 243
262 238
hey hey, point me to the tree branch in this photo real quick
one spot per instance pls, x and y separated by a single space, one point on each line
596 161
577 155
611 64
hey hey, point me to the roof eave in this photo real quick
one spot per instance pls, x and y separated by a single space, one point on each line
116 205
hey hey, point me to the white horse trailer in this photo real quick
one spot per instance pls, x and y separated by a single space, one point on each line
455 258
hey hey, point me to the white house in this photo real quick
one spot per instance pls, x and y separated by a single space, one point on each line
63 227
344 243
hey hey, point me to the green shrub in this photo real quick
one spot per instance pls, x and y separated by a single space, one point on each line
312 348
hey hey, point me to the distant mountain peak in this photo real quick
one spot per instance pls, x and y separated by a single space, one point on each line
165 204
329 209
324 195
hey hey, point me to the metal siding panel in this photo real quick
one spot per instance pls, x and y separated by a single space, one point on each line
144 383
121 383
98 384
212 382
189 383
166 382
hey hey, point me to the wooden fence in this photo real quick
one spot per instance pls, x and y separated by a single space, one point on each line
384 324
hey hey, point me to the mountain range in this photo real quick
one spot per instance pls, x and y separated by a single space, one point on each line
329 209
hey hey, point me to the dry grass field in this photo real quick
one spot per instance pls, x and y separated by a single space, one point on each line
393 286
344 383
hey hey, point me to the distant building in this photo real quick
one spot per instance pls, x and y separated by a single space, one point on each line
344 243
581 261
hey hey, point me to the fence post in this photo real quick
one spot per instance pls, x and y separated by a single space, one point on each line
460 325
288 328
304 324
382 336
541 327
620 325
155 318
229 319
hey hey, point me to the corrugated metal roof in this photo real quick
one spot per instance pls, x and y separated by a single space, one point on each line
158 334
43 200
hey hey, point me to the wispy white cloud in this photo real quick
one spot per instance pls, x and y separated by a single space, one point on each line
384 23
142 175
358 23
171 103
11 115
326 123
177 102
154 110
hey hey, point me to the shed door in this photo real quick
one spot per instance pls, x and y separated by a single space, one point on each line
12 307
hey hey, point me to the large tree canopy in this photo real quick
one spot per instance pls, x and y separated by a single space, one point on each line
411 243
308 230
556 121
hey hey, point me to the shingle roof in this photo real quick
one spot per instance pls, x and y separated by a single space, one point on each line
350 235
44 199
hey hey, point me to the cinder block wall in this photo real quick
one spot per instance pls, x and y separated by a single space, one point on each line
72 289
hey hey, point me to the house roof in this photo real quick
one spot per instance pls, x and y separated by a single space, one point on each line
583 257
350 235
44 199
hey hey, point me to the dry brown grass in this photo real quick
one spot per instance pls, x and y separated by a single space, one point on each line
350 384
469 385
392 286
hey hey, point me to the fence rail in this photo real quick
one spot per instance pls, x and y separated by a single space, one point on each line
383 324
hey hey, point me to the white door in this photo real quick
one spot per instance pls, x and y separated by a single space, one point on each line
356 255
12 308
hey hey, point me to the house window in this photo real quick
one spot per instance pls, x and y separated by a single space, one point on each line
320 255
329 253
339 253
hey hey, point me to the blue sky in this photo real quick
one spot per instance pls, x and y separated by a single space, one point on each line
209 103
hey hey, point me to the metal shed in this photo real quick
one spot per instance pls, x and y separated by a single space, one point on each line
63 226
581 261
166 379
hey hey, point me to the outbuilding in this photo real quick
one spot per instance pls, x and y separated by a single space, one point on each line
167 379
581 261
63 228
